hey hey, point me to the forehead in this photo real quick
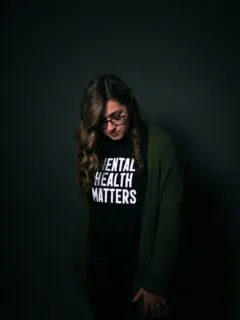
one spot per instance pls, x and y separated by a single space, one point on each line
113 106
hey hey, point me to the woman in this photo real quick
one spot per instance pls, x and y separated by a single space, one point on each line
131 190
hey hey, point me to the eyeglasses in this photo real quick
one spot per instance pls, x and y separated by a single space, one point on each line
116 120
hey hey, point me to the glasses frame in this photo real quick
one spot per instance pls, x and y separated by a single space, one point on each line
123 119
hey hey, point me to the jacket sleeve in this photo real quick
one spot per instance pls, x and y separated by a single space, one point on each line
166 242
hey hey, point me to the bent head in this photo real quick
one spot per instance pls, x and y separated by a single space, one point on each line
108 107
115 123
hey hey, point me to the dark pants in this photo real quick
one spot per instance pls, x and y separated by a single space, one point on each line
110 294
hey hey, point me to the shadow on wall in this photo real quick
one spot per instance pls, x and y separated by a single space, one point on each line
198 285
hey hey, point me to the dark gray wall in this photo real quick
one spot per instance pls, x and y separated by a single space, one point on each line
183 64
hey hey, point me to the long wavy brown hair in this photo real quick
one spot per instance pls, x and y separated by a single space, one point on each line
97 93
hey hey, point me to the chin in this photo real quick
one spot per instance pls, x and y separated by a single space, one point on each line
117 137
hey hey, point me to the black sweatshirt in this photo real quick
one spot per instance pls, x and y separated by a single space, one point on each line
115 201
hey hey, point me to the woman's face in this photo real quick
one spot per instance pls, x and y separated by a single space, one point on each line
119 124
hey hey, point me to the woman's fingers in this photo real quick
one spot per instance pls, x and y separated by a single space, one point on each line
158 310
164 303
146 308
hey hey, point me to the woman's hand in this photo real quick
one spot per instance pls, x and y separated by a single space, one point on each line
153 303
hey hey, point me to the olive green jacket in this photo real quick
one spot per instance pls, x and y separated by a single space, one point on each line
161 220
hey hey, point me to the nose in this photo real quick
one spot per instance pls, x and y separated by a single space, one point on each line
110 126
